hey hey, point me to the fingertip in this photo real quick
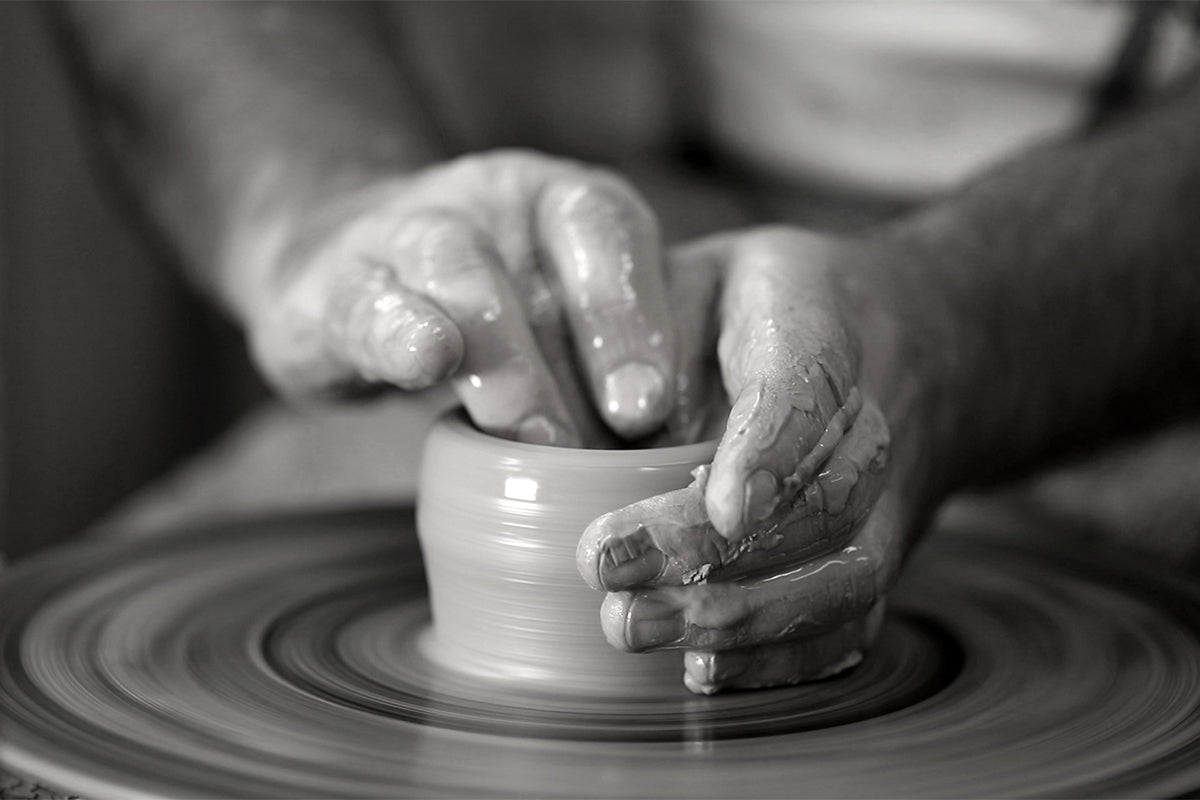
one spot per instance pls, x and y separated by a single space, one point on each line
636 399
761 497
724 500
696 687
639 621
388 333
427 352
542 429
736 459
614 619
588 551
603 243
699 667
595 198
709 672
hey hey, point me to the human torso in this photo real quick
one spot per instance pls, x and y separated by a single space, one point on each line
878 97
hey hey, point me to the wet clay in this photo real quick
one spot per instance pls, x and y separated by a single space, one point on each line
499 523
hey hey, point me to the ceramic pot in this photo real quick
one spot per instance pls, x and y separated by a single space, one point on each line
499 522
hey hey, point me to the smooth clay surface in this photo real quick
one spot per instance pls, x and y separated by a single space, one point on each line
499 522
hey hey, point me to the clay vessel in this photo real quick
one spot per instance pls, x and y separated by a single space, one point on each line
498 523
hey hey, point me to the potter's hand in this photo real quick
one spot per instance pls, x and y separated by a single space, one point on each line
466 272
770 569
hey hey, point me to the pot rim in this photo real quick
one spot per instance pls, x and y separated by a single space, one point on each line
456 425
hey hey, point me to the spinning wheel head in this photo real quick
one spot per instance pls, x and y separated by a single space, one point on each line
285 657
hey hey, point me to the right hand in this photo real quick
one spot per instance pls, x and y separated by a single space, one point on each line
772 567
482 271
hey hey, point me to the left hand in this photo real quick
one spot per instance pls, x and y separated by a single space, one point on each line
532 284
772 566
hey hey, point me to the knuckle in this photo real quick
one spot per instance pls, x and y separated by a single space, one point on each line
613 187
595 195
520 157
440 241
477 166
527 159
780 236
489 299
513 167
538 299
765 244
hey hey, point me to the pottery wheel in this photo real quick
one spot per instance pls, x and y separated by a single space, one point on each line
286 657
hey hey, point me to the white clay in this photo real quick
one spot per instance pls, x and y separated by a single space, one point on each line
499 522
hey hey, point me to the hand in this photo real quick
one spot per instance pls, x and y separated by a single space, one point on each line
772 567
475 271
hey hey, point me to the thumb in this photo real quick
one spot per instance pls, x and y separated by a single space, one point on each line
788 367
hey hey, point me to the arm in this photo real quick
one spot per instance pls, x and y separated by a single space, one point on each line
228 119
277 146
1055 302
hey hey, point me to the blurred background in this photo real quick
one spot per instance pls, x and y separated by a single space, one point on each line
111 369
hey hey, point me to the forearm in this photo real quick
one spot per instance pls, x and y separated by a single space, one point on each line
1056 302
230 119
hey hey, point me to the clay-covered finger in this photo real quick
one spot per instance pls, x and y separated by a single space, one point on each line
550 332
789 367
669 540
784 663
338 331
809 599
503 380
384 332
693 283
665 539
603 244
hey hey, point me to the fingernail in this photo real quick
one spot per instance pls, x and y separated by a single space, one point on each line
629 561
540 429
634 398
653 624
762 496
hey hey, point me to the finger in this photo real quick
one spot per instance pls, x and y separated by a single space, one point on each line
784 663
665 539
503 380
810 599
693 283
331 335
386 333
602 242
788 365
544 313
669 540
